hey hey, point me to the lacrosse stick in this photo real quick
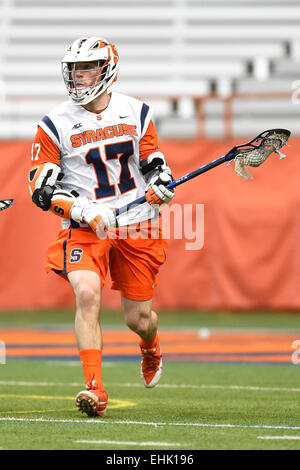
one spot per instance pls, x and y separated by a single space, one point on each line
253 153
5 204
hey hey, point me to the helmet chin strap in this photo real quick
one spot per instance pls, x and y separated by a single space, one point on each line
93 105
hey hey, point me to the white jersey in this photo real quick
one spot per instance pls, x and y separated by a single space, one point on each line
99 153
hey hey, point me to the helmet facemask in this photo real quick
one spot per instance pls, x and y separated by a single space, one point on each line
85 84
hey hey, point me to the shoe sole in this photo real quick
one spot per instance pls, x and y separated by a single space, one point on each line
155 379
87 402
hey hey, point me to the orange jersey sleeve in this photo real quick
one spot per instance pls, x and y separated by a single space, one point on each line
44 150
149 142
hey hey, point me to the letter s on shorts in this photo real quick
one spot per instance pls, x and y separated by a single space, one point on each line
76 255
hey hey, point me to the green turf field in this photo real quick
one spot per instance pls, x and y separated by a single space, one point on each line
169 319
211 406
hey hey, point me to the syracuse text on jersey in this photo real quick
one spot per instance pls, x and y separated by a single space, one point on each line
107 132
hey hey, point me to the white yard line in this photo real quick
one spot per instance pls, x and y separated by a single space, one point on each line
75 363
130 443
146 423
179 386
219 387
279 437
39 384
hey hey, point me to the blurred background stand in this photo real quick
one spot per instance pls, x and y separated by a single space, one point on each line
215 72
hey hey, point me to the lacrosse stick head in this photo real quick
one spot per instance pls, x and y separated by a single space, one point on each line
6 203
255 152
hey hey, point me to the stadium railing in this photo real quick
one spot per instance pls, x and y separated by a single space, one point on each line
227 108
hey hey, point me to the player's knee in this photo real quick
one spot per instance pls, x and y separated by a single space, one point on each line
139 323
87 298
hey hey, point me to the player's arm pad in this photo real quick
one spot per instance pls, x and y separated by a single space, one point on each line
157 175
42 180
42 197
42 175
153 165
62 203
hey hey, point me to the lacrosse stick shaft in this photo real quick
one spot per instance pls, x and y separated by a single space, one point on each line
183 179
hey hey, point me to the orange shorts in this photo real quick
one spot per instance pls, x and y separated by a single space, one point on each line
133 260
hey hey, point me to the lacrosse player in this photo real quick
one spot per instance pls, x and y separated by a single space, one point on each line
90 156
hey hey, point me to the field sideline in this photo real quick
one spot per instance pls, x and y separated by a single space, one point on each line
200 403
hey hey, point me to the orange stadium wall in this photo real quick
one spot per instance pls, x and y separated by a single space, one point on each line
251 253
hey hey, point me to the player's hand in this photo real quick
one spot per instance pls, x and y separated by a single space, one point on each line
156 192
98 217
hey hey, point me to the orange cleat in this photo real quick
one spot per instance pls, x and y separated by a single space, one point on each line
93 401
151 365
